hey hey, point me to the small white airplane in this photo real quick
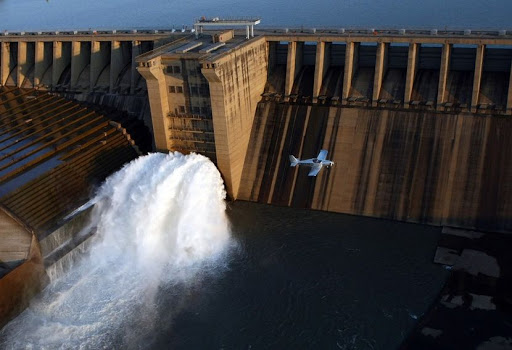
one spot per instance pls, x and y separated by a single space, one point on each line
315 163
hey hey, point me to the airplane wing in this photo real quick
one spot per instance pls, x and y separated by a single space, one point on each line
322 155
315 169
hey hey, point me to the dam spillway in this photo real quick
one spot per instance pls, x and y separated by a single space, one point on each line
52 153
147 241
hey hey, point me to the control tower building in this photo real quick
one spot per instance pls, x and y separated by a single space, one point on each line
203 91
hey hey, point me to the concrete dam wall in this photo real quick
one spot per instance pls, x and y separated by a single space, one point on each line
416 121
419 166
444 167
418 132
418 125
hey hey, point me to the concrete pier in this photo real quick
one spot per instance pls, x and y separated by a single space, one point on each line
477 80
509 94
443 75
380 68
61 59
25 61
158 100
321 66
412 69
293 66
43 63
350 57
80 58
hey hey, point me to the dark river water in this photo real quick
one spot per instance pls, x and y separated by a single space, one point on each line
27 15
308 280
294 279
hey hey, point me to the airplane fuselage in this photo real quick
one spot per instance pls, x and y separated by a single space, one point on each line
312 162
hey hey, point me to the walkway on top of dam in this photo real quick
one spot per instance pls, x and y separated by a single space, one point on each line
151 34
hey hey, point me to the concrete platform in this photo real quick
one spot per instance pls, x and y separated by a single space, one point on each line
474 309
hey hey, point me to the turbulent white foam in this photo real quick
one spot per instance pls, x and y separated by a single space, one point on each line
160 221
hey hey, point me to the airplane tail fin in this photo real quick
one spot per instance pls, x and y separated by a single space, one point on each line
294 161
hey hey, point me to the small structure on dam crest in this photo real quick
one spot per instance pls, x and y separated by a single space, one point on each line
203 92
52 154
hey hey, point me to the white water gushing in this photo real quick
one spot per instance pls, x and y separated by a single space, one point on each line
160 223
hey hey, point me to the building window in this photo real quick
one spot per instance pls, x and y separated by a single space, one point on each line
206 111
204 89
196 110
182 109
175 89
173 69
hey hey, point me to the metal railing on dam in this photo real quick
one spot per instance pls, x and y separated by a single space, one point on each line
388 31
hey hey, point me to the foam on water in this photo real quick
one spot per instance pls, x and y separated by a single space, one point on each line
160 223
